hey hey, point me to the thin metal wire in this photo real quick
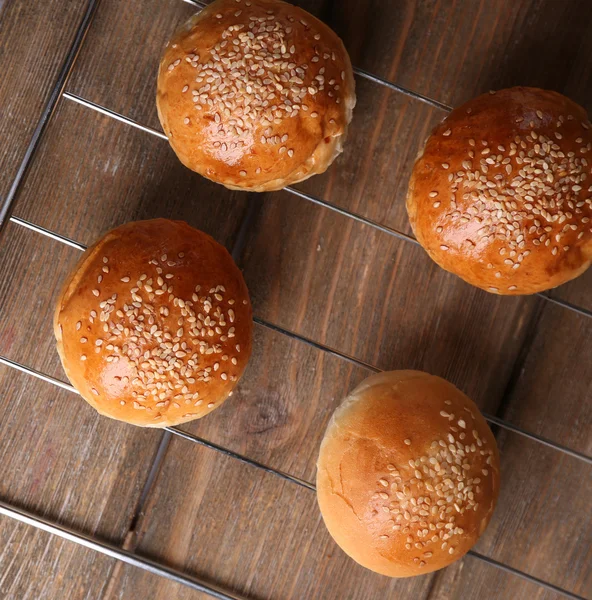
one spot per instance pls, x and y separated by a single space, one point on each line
114 115
7 204
327 349
355 216
564 304
46 232
116 552
249 461
342 211
276 472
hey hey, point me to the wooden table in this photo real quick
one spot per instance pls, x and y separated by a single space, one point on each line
334 297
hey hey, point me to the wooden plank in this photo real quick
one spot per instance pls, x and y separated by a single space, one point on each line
62 461
34 42
56 568
371 177
451 51
55 460
379 299
279 412
261 537
91 174
542 524
59 458
131 35
553 396
326 277
247 531
472 580
94 173
32 271
577 291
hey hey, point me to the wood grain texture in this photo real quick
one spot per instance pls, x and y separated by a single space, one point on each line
62 461
451 51
228 507
58 458
379 299
280 409
93 173
60 570
34 41
222 507
119 62
371 176
334 280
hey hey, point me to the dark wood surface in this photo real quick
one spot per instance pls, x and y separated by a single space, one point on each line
34 40
321 275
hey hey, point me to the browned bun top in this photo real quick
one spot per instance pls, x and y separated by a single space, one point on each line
502 194
154 324
408 474
255 94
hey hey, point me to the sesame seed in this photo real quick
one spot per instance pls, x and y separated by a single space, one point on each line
407 442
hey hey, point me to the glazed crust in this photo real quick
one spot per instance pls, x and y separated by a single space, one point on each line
137 337
502 192
408 474
261 114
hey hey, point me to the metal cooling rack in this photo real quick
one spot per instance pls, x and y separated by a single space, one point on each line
135 559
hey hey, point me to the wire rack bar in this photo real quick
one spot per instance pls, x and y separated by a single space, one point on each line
115 552
47 233
6 205
127 557
342 211
309 342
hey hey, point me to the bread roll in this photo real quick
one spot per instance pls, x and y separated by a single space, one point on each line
408 474
154 324
255 95
502 192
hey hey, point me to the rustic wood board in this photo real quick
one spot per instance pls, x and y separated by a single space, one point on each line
221 507
58 457
337 282
132 36
280 410
93 173
379 299
451 51
56 569
34 42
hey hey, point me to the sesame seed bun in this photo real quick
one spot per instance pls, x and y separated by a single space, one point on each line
502 192
154 324
408 474
255 95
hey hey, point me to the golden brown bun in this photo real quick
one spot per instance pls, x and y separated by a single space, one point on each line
154 324
408 474
502 193
264 112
